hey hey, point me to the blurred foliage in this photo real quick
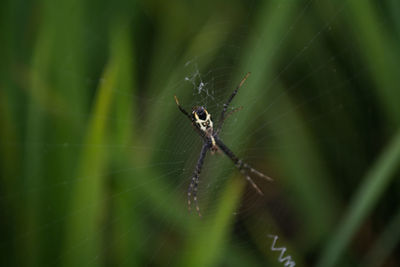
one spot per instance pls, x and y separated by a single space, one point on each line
95 157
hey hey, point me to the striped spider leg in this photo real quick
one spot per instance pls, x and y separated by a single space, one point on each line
203 125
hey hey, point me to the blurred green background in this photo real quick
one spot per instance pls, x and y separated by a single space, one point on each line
96 158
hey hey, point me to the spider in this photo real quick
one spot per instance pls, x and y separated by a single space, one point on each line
204 126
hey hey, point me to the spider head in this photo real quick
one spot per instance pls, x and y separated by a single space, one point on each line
202 118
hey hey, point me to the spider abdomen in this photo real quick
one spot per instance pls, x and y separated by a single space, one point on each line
202 119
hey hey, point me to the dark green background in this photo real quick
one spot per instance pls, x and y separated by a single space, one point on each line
96 158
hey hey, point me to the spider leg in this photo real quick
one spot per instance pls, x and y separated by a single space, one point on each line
193 187
252 183
200 132
182 109
233 111
227 115
222 117
260 174
242 166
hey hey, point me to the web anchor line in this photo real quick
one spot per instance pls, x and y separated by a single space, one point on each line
286 260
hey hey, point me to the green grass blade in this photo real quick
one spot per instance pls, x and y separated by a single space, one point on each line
83 243
381 55
376 181
205 247
304 173
386 243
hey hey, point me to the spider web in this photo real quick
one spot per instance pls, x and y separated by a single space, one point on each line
152 212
